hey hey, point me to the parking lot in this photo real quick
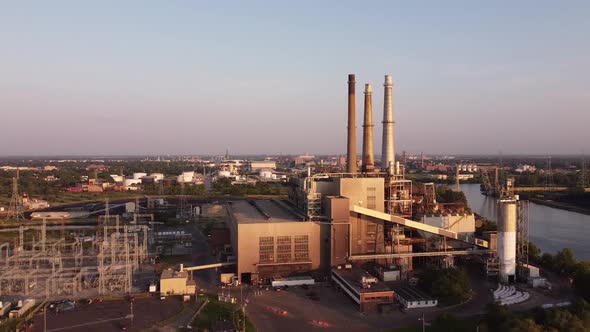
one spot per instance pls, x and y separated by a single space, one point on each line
109 315
319 307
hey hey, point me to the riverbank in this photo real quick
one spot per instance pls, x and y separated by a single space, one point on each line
561 206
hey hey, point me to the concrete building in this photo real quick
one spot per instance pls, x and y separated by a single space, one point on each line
272 241
174 282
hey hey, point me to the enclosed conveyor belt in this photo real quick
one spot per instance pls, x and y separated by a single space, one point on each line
419 226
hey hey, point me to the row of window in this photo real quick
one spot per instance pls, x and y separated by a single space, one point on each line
283 250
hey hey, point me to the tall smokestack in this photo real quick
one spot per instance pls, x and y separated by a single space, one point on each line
368 158
351 148
388 152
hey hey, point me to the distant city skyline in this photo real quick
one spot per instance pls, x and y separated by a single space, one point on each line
149 78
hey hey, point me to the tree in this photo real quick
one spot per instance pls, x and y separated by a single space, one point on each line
534 253
498 317
565 261
563 320
450 286
525 325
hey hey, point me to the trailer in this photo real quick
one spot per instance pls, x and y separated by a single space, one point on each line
292 281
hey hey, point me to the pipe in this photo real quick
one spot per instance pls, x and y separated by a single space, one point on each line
351 144
368 157
388 152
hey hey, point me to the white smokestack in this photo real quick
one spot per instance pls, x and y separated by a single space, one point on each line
388 152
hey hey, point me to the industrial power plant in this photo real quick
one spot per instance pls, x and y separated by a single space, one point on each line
370 220
367 229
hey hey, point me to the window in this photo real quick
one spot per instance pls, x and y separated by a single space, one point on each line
371 198
283 248
266 249
301 248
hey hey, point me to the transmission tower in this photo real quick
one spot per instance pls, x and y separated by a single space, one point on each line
583 179
15 209
548 174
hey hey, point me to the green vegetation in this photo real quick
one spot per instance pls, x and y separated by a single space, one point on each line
8 325
564 263
224 187
449 286
499 318
216 311
445 194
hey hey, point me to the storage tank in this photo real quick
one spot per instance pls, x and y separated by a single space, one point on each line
157 176
265 174
507 239
130 182
186 177
224 174
139 175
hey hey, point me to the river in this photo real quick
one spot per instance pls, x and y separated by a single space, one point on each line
549 228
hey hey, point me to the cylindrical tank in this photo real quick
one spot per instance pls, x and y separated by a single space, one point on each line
157 176
224 174
507 240
139 175
130 182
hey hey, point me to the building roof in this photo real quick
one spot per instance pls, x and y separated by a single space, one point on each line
261 211
412 294
353 278
173 274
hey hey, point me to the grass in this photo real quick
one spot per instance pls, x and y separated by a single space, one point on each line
216 311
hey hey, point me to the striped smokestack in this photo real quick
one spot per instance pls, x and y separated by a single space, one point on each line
351 146
368 158
388 152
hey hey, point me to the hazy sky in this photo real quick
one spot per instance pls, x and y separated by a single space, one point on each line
197 77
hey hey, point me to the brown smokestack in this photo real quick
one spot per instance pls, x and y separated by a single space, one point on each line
368 157
351 146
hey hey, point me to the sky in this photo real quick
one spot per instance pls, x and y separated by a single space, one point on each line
270 77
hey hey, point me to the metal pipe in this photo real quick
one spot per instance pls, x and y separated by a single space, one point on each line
388 152
351 143
368 157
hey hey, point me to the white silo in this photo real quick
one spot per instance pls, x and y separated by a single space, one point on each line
507 239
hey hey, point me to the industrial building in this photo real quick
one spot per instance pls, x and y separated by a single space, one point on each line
272 241
367 216
174 282
362 288
254 166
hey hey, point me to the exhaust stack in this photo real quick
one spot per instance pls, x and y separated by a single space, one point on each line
388 152
351 144
368 157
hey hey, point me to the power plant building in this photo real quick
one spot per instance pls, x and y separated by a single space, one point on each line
272 241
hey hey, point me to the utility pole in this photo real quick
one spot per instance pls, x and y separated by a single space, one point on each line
45 317
15 209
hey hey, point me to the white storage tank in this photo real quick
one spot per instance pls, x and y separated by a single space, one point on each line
131 182
265 174
224 174
139 175
157 176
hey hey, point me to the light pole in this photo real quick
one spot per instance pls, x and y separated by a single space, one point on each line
423 323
